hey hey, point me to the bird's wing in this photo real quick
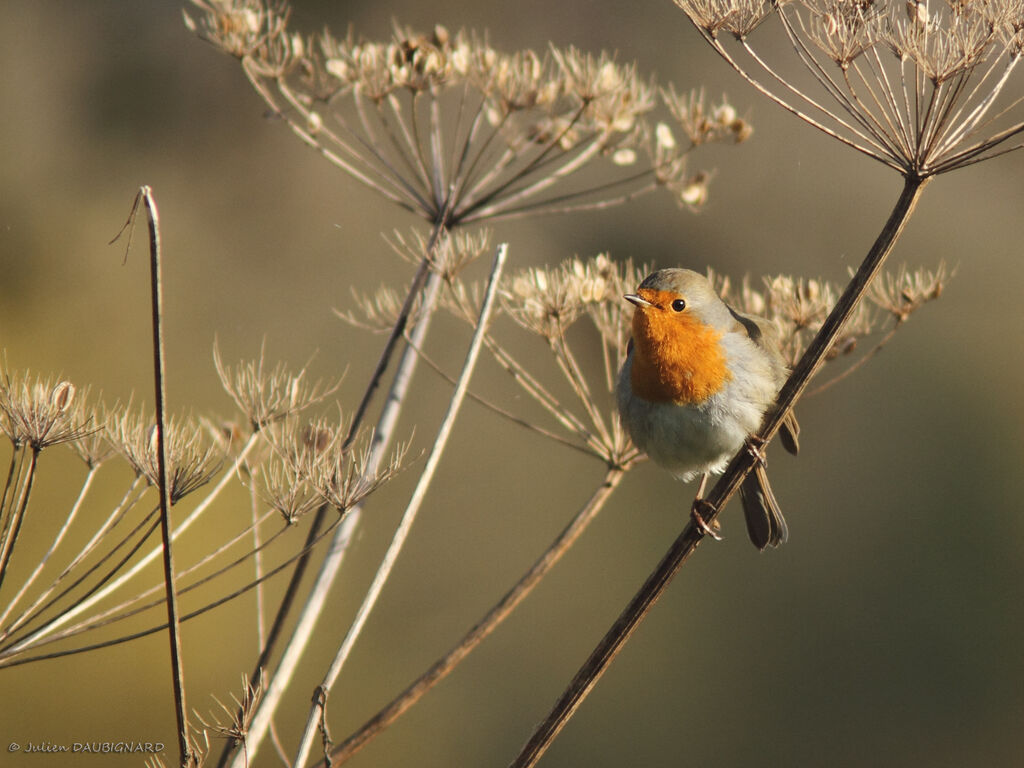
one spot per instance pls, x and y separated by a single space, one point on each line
750 325
763 333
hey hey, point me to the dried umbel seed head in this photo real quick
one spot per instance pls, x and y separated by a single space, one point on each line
316 463
240 27
233 722
316 440
549 301
38 413
737 17
266 396
378 311
704 121
924 89
904 292
445 125
447 254
287 490
190 463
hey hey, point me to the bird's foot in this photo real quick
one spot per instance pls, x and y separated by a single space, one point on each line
710 529
755 447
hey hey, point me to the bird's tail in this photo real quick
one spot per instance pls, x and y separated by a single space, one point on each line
765 524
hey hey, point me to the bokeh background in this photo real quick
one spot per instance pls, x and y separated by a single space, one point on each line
888 632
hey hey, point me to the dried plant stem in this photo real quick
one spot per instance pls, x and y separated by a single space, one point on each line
16 515
440 669
128 501
135 604
504 413
88 602
389 347
257 563
412 509
159 380
283 609
548 401
613 641
9 482
824 386
571 370
160 627
331 564
86 484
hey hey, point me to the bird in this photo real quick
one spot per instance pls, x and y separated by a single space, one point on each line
696 382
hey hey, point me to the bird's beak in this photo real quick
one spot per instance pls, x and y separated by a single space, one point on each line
632 298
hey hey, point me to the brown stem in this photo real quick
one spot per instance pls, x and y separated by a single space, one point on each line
504 607
728 483
389 347
12 525
160 379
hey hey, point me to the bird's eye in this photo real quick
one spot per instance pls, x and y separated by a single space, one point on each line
678 305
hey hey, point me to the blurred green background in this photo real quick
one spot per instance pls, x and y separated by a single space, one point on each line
888 632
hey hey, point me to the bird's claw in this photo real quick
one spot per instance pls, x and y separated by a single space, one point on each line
755 447
698 519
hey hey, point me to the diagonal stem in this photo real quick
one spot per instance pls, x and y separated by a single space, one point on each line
441 668
614 640
27 584
331 564
317 711
122 509
280 617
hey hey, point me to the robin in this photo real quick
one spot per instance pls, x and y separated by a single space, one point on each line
696 383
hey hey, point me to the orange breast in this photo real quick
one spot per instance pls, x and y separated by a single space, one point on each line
676 358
